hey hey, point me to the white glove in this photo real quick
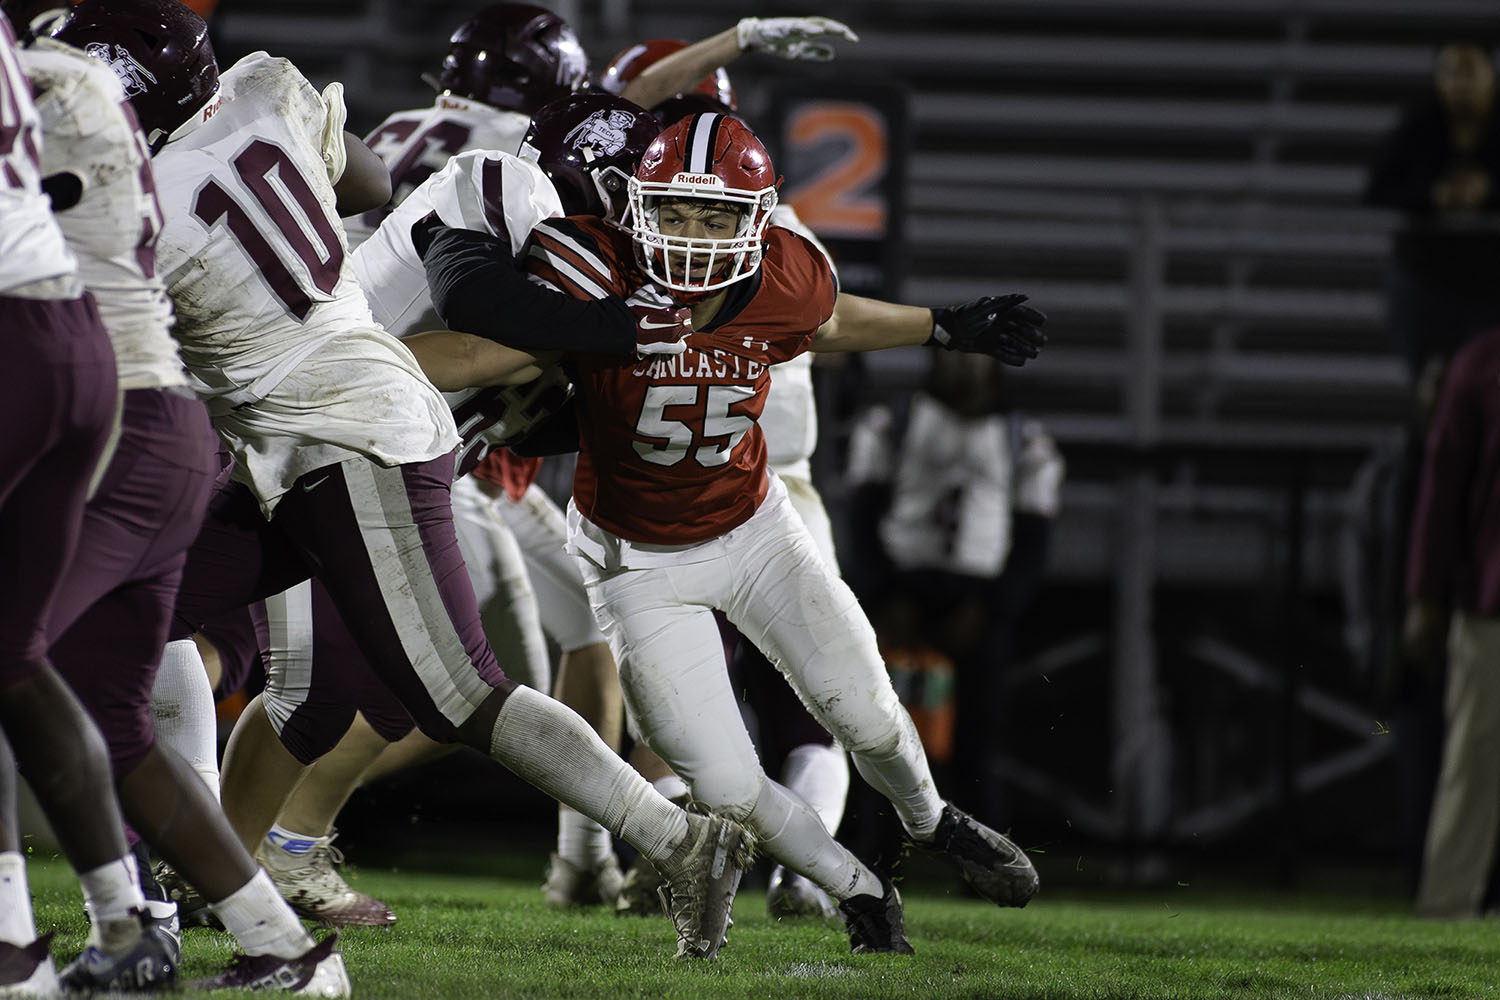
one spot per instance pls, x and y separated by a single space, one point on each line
792 37
335 155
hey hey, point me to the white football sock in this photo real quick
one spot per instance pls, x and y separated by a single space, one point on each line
671 787
182 709
580 841
261 920
112 893
17 926
548 744
820 775
789 831
287 849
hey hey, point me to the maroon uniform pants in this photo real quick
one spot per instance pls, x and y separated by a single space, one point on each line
381 541
57 411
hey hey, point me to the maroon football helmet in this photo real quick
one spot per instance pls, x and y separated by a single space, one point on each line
515 57
629 63
161 53
589 145
711 159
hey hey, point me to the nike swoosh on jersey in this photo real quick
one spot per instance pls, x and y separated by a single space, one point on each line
646 324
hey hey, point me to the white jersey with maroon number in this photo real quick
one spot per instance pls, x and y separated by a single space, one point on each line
275 330
484 190
417 144
790 419
91 134
31 244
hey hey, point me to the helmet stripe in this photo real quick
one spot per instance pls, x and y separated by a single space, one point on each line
700 143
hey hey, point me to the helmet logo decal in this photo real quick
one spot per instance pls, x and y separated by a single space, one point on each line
133 76
603 132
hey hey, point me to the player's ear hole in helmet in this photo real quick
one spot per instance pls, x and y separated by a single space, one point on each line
694 175
515 57
161 53
588 145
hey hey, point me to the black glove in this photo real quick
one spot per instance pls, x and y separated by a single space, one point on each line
997 325
424 231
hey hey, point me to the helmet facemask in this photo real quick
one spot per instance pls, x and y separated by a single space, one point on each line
698 264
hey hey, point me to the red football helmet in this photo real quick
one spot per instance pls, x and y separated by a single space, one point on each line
515 57
628 64
588 145
711 159
161 53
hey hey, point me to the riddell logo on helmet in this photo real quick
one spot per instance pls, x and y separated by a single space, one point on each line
699 180
212 108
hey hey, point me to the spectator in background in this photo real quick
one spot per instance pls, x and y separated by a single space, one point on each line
960 493
1441 167
1453 590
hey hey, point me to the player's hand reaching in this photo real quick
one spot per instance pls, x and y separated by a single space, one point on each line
792 37
661 330
1001 326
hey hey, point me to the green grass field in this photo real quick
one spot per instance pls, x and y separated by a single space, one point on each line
487 936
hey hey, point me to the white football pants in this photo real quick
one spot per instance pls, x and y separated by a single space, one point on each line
656 610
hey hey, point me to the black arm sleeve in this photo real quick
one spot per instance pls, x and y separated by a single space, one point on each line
477 288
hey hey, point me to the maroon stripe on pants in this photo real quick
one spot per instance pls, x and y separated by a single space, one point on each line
324 521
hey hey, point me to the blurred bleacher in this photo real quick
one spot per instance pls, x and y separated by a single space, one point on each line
1177 183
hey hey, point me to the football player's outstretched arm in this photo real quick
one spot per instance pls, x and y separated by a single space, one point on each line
861 324
454 361
788 37
1000 326
366 181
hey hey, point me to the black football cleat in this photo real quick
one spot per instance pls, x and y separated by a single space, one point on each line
875 924
150 965
990 862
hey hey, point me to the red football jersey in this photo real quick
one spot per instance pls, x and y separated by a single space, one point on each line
508 471
670 451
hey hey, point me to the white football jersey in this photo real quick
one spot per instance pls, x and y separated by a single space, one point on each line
956 482
275 330
91 134
31 244
416 144
483 190
790 419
